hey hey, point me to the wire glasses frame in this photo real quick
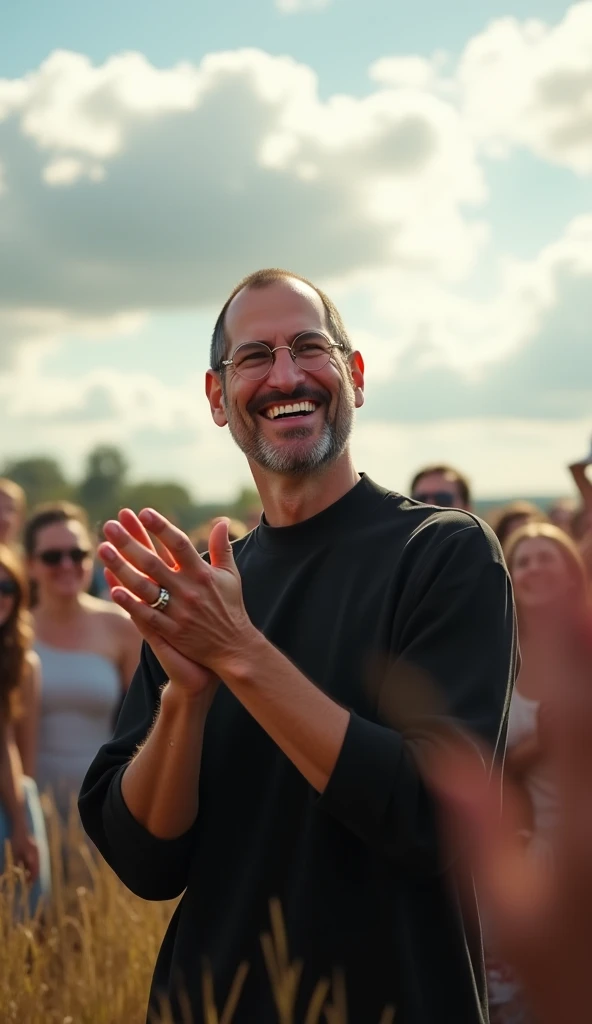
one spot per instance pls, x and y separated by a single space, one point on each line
310 350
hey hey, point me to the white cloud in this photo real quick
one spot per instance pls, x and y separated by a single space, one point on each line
26 334
530 84
66 170
127 189
296 6
174 183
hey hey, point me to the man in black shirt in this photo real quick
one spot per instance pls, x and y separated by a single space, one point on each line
252 761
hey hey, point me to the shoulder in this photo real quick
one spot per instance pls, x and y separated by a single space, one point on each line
110 616
106 610
425 530
454 528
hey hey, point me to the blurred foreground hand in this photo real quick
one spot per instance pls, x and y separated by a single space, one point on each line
538 910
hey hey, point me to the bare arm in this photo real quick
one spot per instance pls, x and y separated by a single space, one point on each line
160 785
582 482
26 727
304 722
11 778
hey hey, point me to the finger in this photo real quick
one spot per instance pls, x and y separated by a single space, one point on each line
137 555
151 623
110 578
134 527
220 548
175 540
121 573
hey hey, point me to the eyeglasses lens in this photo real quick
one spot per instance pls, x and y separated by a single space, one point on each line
254 361
55 556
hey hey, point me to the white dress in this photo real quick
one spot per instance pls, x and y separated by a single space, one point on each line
523 722
80 691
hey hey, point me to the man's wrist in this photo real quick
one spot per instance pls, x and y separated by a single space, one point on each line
177 697
239 663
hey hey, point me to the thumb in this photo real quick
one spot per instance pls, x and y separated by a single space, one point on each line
221 556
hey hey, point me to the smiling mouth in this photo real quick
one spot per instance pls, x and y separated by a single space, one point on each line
295 410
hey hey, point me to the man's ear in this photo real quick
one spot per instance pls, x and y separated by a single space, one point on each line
215 394
356 364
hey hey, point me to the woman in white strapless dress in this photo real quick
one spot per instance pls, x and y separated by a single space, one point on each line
88 648
551 589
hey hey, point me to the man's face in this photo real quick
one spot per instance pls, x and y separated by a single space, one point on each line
439 489
304 440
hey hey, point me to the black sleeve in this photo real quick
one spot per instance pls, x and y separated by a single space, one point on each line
154 869
455 627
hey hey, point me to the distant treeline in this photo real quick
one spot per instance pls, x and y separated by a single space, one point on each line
105 487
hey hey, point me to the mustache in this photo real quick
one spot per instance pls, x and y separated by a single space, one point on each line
300 394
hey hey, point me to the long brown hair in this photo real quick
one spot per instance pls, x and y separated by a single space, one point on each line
16 635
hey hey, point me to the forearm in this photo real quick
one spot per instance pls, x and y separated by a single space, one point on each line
583 484
12 793
26 732
160 785
302 720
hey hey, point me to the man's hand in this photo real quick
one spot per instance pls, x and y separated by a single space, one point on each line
205 622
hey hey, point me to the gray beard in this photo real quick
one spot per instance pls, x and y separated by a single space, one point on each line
327 449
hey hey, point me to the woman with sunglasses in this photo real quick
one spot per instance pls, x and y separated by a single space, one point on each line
21 818
89 650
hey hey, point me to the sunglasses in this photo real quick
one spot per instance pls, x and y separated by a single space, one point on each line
55 556
8 588
445 499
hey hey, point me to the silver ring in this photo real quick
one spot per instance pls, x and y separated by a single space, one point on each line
162 600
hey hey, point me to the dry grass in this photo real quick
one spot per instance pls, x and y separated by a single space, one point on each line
90 960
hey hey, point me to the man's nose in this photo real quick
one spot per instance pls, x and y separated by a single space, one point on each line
285 375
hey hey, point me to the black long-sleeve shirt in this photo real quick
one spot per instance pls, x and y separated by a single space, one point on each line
358 870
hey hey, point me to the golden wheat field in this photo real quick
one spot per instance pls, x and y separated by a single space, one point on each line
90 960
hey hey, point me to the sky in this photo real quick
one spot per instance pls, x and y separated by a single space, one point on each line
429 165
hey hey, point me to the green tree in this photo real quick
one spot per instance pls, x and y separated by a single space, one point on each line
102 488
247 505
170 499
41 478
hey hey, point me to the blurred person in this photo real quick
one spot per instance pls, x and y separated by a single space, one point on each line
443 486
21 817
200 536
12 511
251 761
88 649
561 513
551 593
582 520
541 919
514 515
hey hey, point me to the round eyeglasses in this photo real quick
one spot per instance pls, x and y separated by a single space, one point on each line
310 350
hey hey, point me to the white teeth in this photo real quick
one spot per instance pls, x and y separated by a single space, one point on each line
278 410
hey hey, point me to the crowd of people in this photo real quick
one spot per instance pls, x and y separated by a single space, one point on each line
67 658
